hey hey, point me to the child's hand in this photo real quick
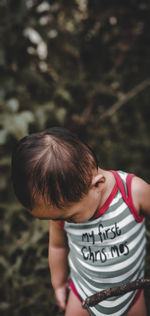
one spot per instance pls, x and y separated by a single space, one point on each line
62 295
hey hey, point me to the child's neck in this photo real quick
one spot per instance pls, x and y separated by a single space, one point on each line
108 185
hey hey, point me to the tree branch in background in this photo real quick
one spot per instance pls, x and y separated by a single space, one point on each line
115 291
125 98
85 117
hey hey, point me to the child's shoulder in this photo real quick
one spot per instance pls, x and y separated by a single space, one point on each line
140 190
136 188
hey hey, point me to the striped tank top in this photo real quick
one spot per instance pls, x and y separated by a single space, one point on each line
109 250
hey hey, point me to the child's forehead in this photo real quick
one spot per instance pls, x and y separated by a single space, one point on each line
45 210
42 207
43 202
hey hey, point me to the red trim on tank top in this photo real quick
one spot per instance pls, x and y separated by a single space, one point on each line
61 224
136 297
107 202
128 197
73 288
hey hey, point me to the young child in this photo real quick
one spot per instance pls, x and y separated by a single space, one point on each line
97 230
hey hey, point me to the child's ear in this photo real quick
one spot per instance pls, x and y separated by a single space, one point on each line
97 180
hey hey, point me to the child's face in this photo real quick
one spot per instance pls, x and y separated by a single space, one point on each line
76 212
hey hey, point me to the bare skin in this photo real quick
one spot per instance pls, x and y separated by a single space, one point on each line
139 308
101 187
74 306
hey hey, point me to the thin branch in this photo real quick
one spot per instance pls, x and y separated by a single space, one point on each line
115 291
125 98
85 117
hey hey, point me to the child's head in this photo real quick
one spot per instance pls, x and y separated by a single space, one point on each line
53 164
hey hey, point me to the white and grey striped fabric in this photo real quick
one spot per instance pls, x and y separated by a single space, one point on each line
106 252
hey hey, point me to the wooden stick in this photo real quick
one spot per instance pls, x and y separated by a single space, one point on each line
115 291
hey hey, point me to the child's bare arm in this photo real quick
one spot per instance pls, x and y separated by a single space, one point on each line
141 196
58 262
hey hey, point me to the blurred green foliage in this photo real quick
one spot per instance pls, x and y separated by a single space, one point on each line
84 65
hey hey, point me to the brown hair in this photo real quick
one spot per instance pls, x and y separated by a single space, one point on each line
54 164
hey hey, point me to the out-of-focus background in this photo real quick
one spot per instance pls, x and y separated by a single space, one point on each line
84 65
